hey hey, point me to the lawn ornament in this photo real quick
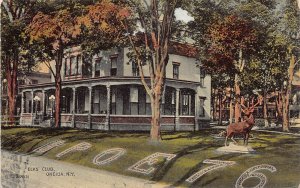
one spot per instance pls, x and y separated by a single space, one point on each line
245 126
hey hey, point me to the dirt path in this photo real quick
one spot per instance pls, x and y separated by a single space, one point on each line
35 172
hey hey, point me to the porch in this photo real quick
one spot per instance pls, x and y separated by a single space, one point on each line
125 106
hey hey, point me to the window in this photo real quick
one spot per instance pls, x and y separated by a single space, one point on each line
82 98
135 69
187 102
67 68
148 105
142 101
34 81
113 70
176 70
170 99
97 67
38 105
202 76
63 104
113 109
20 82
86 66
134 101
71 66
201 110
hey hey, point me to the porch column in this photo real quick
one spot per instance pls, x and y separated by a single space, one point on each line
177 126
196 128
107 118
32 118
44 103
22 102
91 106
74 108
93 67
162 109
22 106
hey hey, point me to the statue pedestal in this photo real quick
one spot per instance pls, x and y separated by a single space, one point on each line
236 149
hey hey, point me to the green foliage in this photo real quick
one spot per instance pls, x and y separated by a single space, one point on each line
270 25
14 41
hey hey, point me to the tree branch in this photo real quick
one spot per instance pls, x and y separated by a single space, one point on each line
138 61
8 10
50 68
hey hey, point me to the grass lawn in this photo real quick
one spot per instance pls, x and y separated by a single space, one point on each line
191 149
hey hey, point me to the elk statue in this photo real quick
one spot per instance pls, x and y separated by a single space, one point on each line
245 126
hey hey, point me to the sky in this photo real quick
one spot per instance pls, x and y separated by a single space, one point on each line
182 15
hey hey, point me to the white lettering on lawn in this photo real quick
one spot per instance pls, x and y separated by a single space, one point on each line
118 152
251 173
150 160
46 147
79 147
216 164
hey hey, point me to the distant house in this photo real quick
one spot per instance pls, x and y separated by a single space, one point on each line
295 98
105 92
29 79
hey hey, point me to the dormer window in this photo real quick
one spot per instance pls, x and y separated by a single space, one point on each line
113 70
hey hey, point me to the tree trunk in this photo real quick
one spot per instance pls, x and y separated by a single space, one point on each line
57 102
214 110
285 114
237 106
230 111
286 104
58 66
155 121
220 109
279 108
11 76
265 110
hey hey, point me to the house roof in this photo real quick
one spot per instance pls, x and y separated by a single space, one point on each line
175 47
182 49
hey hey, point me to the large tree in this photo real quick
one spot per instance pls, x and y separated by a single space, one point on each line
261 64
15 14
151 47
231 41
60 29
57 29
287 35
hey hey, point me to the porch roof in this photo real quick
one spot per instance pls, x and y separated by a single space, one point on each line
87 82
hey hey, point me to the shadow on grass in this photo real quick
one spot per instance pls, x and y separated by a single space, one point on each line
196 168
163 170
187 135
159 174
15 141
